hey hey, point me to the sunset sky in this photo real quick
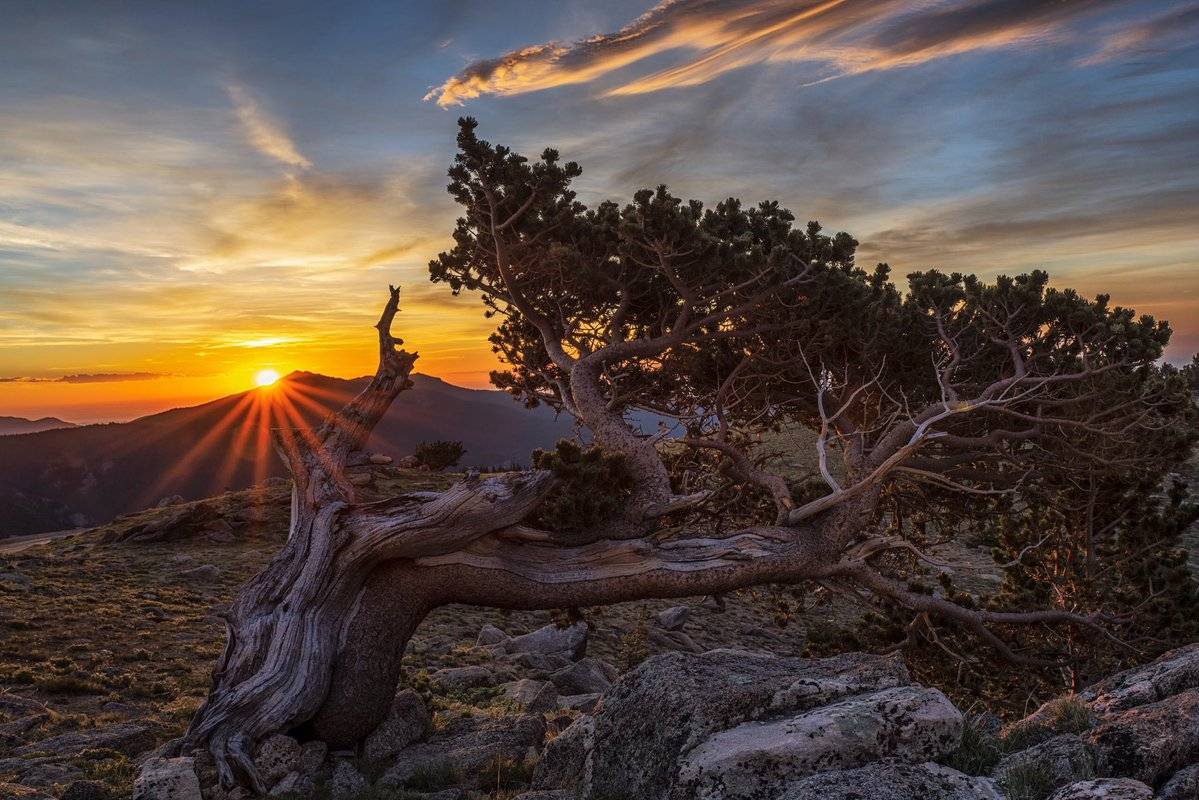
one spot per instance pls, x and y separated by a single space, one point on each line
191 193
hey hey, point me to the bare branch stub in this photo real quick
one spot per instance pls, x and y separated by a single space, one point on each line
349 430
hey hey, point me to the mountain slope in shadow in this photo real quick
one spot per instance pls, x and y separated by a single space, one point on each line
15 425
89 474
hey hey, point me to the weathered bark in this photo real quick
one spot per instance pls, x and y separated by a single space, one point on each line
366 672
496 573
286 627
652 483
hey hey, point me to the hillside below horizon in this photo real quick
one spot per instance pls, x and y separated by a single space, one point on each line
71 477
11 426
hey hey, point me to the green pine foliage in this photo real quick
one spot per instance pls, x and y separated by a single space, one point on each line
1113 550
1191 373
592 486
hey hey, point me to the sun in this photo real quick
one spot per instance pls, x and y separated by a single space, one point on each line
266 377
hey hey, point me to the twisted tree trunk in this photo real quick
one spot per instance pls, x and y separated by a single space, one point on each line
288 624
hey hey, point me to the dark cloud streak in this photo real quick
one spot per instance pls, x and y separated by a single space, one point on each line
96 377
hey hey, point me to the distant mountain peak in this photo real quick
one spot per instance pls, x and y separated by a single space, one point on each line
10 426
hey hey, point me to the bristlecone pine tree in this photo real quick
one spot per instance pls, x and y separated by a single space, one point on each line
731 321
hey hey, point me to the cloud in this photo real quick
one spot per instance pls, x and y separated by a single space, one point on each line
320 222
266 341
837 37
266 134
173 228
1173 28
95 377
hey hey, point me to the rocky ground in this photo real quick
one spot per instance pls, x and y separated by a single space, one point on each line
107 639
728 725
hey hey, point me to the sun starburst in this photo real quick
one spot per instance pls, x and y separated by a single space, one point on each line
266 377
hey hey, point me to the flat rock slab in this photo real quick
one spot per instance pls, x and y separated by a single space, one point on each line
570 641
40 772
1170 674
673 702
167 779
407 722
530 696
17 705
468 744
1104 789
759 759
585 703
586 676
539 664
1150 742
1066 758
458 678
490 634
13 733
891 780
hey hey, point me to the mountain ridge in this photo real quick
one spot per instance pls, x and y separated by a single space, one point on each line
88 474
16 426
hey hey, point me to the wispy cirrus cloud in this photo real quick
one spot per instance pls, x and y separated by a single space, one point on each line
713 37
264 132
1177 26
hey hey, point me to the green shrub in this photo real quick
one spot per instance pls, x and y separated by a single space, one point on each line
22 675
633 647
69 684
1068 714
979 750
112 768
1032 781
440 454
592 485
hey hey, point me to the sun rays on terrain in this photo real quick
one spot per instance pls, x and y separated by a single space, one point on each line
263 423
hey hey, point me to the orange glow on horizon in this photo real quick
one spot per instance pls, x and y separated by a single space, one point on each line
191 374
